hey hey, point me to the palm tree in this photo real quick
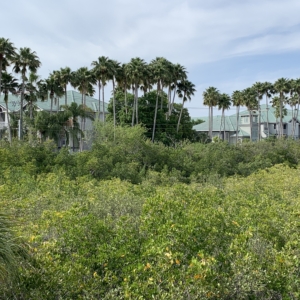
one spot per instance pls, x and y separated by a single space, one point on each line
9 84
102 72
259 88
211 97
159 70
293 101
186 89
267 89
73 112
84 80
282 86
54 88
23 61
295 85
237 100
179 73
251 102
135 71
115 69
223 103
64 76
7 54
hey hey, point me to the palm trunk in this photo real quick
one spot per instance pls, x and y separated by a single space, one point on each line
133 107
223 112
66 96
125 92
267 107
21 108
136 103
7 118
297 115
103 106
114 106
172 104
57 108
161 100
237 123
251 124
179 119
51 104
280 116
259 123
211 123
99 99
0 75
155 112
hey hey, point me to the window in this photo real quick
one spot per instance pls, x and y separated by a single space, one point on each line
274 126
245 120
284 126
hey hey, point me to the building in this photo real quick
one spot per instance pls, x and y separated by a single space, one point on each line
72 97
266 117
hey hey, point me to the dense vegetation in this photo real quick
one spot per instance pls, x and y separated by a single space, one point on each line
135 220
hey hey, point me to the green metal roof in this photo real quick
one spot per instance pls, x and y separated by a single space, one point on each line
72 96
230 121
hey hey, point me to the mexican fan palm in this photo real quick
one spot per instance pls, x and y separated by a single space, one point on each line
251 102
282 86
237 101
9 84
186 89
135 71
102 69
210 98
7 54
160 73
295 90
223 104
23 61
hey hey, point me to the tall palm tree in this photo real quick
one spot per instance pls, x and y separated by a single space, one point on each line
102 69
54 88
115 69
7 54
73 112
251 102
282 86
237 100
224 104
179 73
295 89
267 90
210 98
186 89
23 61
259 88
135 71
159 70
9 84
83 80
64 76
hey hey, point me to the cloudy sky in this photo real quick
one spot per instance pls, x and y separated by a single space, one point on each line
229 44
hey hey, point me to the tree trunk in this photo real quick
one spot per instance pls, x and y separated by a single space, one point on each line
125 91
21 107
179 119
280 116
155 112
267 107
136 103
172 104
114 106
7 118
259 123
103 106
66 96
99 99
251 124
237 123
133 107
1 76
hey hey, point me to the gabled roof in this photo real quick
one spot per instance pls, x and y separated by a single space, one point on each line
230 124
230 121
72 96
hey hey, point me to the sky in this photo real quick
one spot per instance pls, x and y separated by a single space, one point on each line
228 44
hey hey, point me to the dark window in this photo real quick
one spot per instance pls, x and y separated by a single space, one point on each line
284 126
274 126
